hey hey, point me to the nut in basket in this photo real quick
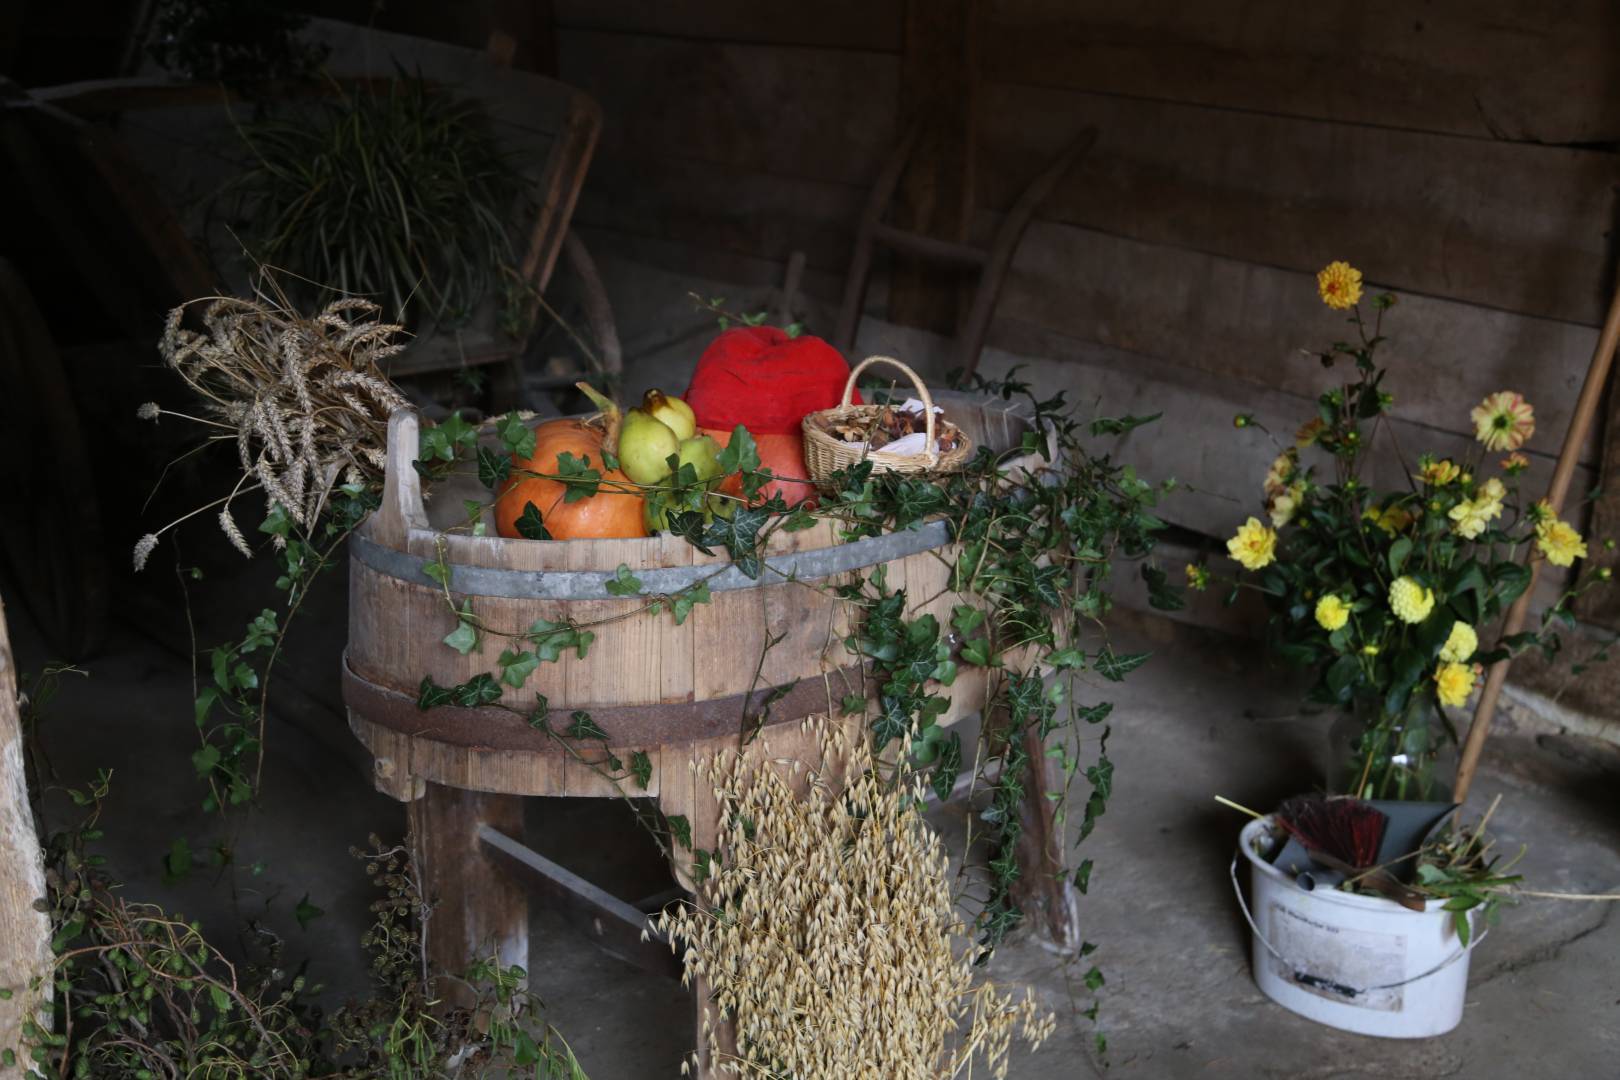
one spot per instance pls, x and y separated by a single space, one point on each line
894 438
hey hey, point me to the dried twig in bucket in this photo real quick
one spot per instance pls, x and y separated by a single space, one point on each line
304 399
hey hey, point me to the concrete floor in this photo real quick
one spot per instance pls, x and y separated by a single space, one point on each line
1204 717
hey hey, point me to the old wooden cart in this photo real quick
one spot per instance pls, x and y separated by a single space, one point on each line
673 692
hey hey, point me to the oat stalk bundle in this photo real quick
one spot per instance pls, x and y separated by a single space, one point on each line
303 399
827 932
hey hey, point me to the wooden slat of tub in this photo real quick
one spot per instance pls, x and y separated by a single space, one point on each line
676 644
623 665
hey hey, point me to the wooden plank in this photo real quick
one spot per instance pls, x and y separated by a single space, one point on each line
819 114
1438 67
25 932
1518 227
847 24
1237 320
720 208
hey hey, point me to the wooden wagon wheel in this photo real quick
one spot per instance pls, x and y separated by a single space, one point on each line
50 530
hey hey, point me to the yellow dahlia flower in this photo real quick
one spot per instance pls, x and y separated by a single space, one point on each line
1439 473
1331 613
1453 683
1197 577
1255 546
1391 519
1339 285
1410 601
1503 421
1460 645
1560 543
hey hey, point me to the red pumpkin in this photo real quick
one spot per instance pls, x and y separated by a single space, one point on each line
606 515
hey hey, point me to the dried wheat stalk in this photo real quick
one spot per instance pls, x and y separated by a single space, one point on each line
304 399
828 933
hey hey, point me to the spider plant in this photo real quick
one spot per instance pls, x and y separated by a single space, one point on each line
399 193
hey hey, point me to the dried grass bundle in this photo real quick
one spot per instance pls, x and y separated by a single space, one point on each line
827 932
304 399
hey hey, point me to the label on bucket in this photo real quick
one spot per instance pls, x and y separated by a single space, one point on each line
1339 964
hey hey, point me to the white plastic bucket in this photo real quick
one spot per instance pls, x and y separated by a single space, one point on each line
1357 963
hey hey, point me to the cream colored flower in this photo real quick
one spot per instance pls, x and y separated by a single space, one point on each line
1460 644
1254 545
1503 421
1410 601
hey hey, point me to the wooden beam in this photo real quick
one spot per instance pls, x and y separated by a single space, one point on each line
939 74
610 922
25 931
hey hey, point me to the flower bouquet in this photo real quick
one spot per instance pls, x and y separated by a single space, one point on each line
1385 595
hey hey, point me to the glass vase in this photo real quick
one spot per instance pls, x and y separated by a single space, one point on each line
1408 756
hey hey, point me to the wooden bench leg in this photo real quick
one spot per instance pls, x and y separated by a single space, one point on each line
476 908
1043 890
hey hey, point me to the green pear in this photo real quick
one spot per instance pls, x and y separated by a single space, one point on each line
671 411
703 454
645 446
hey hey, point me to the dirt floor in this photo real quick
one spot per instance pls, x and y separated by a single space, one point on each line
1205 717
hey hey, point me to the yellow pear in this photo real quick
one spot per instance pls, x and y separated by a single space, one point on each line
670 410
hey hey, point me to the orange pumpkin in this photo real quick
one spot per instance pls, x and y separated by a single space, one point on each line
783 454
605 515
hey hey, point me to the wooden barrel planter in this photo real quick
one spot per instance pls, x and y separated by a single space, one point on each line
673 692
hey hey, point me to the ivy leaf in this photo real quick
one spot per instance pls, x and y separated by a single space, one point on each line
529 524
438 570
551 639
429 694
798 520
176 864
581 481
689 598
446 439
1108 425
204 760
581 726
1398 552
1094 714
1161 594
1082 876
516 436
516 667
1115 666
493 468
689 525
949 768
740 537
641 768
481 689
306 912
742 455
623 582
464 638
701 863
540 713
680 829
1094 980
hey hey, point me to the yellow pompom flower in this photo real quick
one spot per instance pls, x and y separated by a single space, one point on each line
1331 612
1460 645
1410 601
1503 421
1255 546
1339 285
1560 543
1453 683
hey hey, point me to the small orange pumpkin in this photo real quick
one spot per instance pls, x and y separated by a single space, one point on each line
608 514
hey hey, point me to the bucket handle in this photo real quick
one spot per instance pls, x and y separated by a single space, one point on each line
1300 974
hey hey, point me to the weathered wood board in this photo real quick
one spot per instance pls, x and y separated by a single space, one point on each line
850 24
1504 225
1485 68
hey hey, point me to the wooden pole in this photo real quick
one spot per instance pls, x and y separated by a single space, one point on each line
1580 424
25 932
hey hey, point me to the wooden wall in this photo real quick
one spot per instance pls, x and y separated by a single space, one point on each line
1458 151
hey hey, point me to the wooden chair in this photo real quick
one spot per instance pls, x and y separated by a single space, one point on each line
991 263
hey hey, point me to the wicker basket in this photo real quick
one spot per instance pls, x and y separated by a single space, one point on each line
825 454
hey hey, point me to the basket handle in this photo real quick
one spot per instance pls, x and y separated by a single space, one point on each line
922 392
